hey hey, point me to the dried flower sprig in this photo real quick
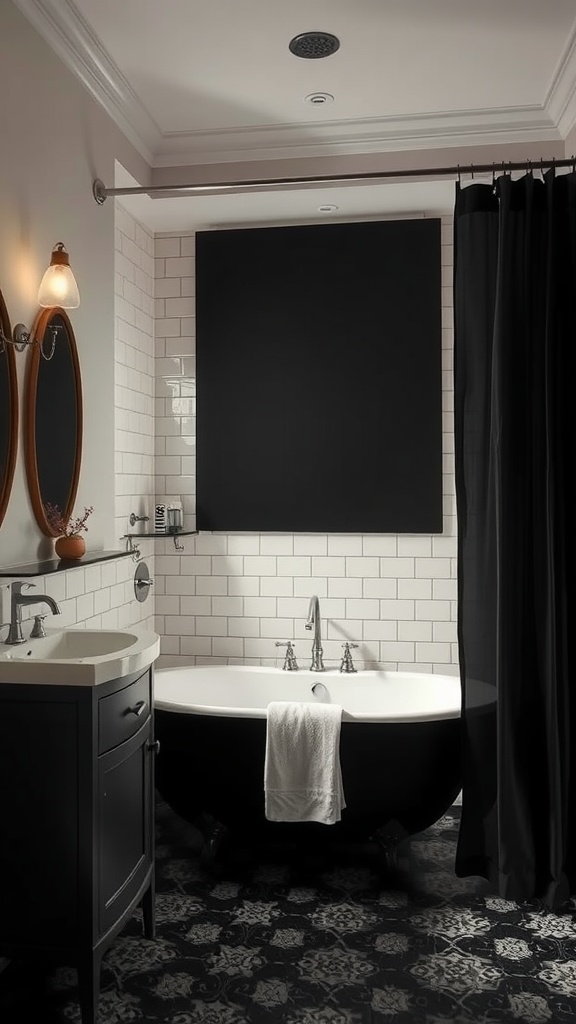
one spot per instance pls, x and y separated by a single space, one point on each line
66 527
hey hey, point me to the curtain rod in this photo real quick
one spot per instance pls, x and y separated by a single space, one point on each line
101 193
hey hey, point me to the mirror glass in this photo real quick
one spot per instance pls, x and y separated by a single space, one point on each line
8 412
53 411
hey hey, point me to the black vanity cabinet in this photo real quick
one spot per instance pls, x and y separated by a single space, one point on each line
76 821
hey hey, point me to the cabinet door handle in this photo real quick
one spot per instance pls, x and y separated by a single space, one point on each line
137 709
155 746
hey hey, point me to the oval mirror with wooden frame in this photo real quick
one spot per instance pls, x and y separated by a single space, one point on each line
8 410
53 417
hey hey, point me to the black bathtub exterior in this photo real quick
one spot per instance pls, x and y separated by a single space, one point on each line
406 773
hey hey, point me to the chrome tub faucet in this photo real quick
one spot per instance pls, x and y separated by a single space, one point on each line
17 602
314 623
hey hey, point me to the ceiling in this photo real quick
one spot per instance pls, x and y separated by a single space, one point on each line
211 84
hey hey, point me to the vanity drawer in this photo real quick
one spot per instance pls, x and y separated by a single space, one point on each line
122 713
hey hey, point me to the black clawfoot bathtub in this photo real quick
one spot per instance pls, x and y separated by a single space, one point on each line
399 747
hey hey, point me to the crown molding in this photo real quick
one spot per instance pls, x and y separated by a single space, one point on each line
561 99
64 29
358 136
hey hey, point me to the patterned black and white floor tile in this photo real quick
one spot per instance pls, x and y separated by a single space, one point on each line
320 940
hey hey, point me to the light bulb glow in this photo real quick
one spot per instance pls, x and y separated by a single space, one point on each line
58 286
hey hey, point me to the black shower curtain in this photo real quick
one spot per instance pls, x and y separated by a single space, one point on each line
515 430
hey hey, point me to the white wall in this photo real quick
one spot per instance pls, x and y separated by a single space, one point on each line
229 597
102 596
55 140
570 143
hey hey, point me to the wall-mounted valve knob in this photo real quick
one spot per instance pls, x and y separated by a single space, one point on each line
137 519
142 581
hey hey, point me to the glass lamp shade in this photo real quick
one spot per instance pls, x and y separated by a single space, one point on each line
58 286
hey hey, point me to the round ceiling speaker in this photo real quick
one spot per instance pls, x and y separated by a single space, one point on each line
313 45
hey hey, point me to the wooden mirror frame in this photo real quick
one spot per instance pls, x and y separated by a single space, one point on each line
35 359
10 356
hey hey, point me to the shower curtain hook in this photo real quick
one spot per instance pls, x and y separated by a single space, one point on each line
459 176
493 177
472 171
573 163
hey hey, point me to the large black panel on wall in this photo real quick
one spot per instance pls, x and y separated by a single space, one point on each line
319 396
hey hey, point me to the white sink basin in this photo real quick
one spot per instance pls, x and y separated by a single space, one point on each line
84 657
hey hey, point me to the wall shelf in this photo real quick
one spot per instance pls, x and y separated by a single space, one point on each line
51 565
165 535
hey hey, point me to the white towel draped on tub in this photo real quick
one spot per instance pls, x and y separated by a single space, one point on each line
302 774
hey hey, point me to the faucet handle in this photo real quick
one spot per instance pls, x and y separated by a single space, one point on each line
38 627
19 585
347 663
290 663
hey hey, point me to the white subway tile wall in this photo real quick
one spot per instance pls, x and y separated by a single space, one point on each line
99 596
134 419
228 598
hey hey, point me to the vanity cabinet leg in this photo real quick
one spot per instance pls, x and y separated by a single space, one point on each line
89 987
148 912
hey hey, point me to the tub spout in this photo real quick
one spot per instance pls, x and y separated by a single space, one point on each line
314 623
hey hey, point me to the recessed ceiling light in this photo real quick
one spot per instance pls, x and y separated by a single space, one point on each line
327 208
314 45
318 98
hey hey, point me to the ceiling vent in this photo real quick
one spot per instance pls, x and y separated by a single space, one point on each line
313 45
318 98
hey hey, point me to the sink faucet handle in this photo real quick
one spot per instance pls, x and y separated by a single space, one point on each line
38 627
19 585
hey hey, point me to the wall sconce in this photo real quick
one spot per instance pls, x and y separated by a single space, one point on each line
57 288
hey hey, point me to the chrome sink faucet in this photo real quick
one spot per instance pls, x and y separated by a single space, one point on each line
314 623
17 602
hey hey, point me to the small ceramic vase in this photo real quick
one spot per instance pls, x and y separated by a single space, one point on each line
70 547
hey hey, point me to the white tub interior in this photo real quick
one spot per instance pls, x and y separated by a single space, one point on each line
243 691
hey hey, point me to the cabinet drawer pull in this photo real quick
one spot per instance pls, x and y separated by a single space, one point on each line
137 709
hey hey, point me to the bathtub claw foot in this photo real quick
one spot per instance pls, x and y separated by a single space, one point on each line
214 834
391 841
